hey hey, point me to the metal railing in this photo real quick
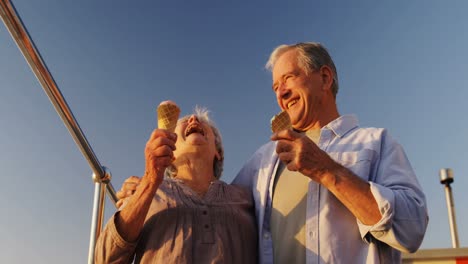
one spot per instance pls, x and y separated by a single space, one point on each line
101 175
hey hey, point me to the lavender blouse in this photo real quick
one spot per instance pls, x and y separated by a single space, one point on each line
182 227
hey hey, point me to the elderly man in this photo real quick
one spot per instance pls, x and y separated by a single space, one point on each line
329 191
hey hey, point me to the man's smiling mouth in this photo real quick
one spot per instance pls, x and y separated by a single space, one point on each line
291 103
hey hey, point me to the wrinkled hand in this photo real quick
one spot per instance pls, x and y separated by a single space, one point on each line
159 154
300 153
128 189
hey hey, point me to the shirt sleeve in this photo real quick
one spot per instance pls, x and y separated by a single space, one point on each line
400 199
245 176
111 247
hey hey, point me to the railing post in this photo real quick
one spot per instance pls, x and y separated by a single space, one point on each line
101 175
98 210
27 47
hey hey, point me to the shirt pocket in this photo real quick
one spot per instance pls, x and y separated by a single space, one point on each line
359 162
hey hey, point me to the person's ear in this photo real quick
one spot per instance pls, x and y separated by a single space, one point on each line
217 156
327 75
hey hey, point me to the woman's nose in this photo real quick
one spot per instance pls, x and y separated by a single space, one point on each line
193 118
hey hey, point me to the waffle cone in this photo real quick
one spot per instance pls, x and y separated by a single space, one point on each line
280 121
168 114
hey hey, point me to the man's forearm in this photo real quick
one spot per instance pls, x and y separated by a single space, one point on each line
354 193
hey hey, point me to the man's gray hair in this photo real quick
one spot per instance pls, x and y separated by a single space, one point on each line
312 56
202 114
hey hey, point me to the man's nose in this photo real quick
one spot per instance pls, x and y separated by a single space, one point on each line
283 91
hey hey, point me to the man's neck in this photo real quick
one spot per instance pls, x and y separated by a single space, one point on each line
323 121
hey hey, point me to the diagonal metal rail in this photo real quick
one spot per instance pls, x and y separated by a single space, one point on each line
101 175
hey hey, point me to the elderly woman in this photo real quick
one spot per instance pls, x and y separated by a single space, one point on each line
188 217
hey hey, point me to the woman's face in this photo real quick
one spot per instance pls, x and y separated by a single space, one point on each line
195 135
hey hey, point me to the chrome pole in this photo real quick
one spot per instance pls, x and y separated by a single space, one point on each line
20 35
98 211
101 176
446 178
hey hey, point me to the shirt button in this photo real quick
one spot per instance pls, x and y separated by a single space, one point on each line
266 236
207 226
205 212
378 233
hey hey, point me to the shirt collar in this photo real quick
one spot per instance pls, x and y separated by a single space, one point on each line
343 125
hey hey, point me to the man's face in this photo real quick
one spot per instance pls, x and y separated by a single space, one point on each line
298 92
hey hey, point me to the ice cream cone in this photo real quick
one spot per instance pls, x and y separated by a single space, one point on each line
168 114
280 121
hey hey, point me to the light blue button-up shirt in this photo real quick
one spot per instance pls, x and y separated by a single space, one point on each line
333 234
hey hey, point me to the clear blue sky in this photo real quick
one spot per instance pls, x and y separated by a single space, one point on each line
402 65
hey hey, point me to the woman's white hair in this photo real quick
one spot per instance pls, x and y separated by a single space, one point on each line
202 113
312 56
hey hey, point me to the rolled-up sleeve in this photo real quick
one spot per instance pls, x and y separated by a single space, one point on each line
111 247
400 199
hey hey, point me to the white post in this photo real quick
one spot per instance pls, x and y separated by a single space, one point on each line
446 178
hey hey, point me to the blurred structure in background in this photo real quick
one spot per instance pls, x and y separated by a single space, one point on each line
454 255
